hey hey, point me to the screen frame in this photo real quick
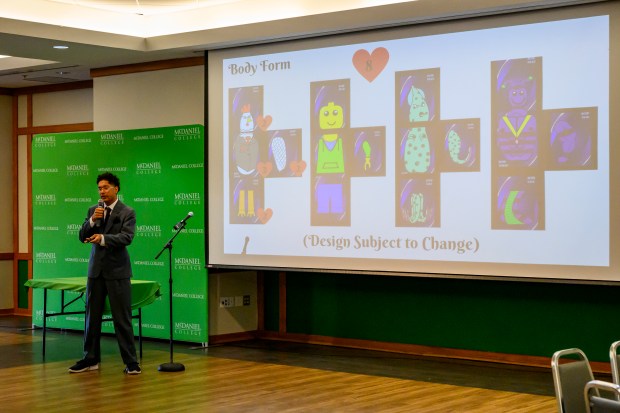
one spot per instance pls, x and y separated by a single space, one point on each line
214 111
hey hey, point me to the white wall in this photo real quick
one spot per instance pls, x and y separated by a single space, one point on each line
6 201
149 99
237 316
57 108
6 174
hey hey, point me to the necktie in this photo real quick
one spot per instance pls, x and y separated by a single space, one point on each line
108 211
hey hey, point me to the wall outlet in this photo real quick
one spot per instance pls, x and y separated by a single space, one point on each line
226 302
235 301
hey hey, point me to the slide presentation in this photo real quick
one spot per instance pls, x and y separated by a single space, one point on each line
480 152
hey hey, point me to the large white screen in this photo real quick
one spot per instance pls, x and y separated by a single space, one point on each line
469 151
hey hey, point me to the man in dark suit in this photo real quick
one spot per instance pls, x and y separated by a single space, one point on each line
110 228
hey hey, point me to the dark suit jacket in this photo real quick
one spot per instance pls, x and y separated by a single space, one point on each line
111 261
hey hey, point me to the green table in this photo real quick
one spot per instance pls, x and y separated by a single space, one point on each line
142 293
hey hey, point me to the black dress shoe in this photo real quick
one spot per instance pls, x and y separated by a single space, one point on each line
84 365
133 368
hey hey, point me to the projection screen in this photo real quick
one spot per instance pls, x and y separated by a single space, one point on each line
479 147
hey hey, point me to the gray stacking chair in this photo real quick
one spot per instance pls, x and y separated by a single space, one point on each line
614 361
571 372
596 403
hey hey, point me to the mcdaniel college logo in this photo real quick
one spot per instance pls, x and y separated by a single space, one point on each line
77 170
187 198
73 229
45 258
187 134
44 142
112 139
148 168
149 231
45 199
188 264
190 329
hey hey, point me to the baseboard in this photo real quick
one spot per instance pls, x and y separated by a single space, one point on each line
22 312
232 337
426 351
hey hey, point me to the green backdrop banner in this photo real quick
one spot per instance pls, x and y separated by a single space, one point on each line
162 177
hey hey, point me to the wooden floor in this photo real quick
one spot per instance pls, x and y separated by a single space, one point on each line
255 376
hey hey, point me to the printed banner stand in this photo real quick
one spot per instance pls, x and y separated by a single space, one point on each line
161 171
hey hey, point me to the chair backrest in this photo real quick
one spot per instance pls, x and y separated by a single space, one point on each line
615 361
596 403
571 372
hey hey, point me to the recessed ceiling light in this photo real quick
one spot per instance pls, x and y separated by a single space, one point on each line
60 46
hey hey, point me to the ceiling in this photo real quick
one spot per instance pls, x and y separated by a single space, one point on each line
144 7
104 33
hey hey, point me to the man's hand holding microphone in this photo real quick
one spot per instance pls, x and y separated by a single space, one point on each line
97 218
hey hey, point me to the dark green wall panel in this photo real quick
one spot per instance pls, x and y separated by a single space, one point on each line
527 318
271 307
22 290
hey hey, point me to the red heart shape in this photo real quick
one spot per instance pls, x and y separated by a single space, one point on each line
370 65
264 168
264 215
298 167
263 122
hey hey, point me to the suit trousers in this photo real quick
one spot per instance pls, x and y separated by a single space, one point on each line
118 292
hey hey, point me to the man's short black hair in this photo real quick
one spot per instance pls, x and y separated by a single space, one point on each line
111 178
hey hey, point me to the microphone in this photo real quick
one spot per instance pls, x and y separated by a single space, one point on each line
100 204
182 223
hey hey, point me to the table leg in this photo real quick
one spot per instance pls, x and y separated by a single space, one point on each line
44 318
140 331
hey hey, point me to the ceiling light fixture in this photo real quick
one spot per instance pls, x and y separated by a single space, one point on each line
60 47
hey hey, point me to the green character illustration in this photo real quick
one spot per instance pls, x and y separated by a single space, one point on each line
417 155
417 151
366 149
330 156
417 208
454 147
418 108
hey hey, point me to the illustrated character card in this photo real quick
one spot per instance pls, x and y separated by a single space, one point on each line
417 96
284 153
330 201
245 110
368 151
247 200
245 152
330 143
572 138
418 203
417 149
519 202
330 107
516 107
460 147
